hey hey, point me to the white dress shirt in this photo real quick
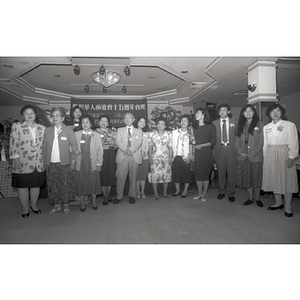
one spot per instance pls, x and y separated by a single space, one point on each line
55 157
282 133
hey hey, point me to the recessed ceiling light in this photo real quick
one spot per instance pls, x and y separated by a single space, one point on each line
7 66
184 71
57 75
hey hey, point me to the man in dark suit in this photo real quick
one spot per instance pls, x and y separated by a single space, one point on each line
225 153
129 140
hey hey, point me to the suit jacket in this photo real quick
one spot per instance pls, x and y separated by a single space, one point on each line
232 133
23 146
136 143
96 150
255 144
66 141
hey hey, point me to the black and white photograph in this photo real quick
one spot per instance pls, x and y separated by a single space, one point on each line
150 161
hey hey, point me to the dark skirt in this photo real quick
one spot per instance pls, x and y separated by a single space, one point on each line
204 162
87 182
249 174
181 172
32 180
143 170
108 170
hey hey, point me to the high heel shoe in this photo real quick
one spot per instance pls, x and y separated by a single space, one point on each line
289 215
197 197
276 207
25 215
82 209
176 194
37 212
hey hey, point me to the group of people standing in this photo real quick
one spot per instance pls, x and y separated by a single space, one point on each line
77 160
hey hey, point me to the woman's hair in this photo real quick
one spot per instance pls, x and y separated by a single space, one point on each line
242 120
104 116
86 116
162 119
136 122
73 109
274 106
206 119
27 107
188 117
61 110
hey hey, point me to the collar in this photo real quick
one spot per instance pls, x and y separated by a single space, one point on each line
227 120
87 133
131 127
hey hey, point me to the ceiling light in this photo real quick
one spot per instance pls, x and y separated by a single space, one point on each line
76 70
107 79
127 71
104 89
86 89
7 66
124 89
184 71
57 76
102 70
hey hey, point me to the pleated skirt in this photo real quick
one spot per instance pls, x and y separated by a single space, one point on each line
277 177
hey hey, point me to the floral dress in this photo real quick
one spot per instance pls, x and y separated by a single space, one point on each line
161 167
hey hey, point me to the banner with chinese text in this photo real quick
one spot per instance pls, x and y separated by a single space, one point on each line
114 109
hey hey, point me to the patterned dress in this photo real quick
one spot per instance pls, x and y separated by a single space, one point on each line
161 169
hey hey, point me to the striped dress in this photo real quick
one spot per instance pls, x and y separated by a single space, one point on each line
280 143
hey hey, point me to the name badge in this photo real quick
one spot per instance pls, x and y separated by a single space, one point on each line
82 141
63 138
268 130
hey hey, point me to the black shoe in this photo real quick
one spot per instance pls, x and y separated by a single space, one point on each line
25 215
221 196
105 202
259 203
289 215
95 207
248 202
183 196
231 199
82 209
276 207
166 195
176 194
131 200
110 200
116 201
37 212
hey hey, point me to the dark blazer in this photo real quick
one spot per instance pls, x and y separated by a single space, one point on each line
232 133
66 141
255 144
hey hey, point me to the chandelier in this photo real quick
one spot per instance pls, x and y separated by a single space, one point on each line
106 78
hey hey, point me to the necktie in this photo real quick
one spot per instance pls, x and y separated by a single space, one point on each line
224 129
129 138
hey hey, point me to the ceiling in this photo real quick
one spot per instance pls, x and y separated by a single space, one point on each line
161 80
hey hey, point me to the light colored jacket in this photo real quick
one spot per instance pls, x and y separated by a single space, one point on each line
136 143
66 141
23 146
96 150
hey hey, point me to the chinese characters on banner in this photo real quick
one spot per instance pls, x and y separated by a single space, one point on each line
114 109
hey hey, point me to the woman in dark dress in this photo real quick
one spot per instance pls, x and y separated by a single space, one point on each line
109 144
205 139
143 168
88 163
74 120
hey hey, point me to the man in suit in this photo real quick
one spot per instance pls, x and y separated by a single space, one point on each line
129 140
225 153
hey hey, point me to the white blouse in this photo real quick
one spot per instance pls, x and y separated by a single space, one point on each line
282 133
